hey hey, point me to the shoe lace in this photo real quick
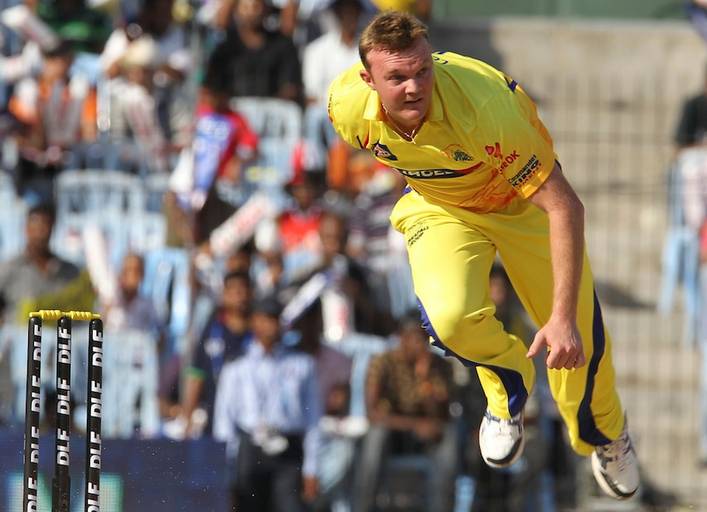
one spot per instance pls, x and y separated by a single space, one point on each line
616 452
505 427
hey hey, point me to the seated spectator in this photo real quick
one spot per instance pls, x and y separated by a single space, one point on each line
37 271
351 279
130 310
30 275
141 143
154 19
408 393
59 113
298 225
334 375
258 61
268 409
369 237
223 340
223 144
172 64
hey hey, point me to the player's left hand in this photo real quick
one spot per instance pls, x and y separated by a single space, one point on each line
564 342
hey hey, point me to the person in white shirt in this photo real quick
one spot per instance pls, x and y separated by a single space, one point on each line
324 58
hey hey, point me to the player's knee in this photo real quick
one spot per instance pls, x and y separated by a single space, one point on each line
453 323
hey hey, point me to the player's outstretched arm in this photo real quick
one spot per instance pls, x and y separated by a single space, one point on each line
566 216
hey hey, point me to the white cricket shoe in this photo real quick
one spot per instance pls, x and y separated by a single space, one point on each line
501 441
615 467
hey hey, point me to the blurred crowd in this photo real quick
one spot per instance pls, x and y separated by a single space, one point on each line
175 170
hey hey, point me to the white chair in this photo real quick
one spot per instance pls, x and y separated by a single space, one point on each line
278 123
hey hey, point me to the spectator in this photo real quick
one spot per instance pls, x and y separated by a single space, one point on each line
334 375
59 113
369 237
37 271
155 20
408 393
690 140
324 58
172 63
222 341
692 126
298 225
268 408
140 142
86 29
350 279
223 143
258 61
130 310
333 52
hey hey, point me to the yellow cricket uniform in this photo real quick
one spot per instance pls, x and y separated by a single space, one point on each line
481 152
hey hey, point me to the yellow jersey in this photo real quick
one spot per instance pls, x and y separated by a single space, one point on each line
481 145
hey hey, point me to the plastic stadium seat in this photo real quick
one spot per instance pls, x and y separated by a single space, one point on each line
167 284
278 123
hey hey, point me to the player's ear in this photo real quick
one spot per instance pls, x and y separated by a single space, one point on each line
366 77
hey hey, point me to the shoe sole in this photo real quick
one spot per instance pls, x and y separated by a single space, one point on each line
605 485
510 459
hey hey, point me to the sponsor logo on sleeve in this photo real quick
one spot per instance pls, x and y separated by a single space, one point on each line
527 172
382 151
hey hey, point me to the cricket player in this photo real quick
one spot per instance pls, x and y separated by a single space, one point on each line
483 178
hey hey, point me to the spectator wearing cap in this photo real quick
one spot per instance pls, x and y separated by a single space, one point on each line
268 410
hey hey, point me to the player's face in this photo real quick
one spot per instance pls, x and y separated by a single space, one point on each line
404 81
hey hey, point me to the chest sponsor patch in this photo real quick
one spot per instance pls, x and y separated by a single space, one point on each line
426 174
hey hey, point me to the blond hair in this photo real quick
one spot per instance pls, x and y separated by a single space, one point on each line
391 31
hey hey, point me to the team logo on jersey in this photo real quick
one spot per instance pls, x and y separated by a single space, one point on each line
457 153
382 151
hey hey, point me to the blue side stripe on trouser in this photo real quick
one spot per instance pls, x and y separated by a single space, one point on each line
588 431
512 380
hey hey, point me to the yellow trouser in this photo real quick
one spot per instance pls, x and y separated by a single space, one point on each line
451 251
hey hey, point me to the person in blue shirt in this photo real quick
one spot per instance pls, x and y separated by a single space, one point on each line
221 341
268 408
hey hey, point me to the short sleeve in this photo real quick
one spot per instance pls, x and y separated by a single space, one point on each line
345 102
516 141
247 139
